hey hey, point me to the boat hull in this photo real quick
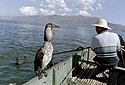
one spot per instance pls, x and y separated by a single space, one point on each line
56 75
59 73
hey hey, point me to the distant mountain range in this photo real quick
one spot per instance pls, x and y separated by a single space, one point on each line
73 21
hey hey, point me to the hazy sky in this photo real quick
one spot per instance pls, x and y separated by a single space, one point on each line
111 10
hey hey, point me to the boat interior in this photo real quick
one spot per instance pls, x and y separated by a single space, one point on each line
85 68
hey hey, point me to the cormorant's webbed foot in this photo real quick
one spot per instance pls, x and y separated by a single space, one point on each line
44 73
40 74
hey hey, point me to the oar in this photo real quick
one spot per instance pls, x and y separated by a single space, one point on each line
77 49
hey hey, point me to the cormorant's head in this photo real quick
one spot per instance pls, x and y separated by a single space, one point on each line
51 25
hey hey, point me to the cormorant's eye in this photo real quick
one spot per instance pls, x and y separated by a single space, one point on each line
50 26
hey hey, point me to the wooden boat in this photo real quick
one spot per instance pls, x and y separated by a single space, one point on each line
76 70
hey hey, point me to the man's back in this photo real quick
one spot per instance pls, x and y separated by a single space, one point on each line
106 39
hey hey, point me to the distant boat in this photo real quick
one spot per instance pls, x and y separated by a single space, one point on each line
77 70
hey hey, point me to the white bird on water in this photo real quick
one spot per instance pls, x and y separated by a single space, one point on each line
44 54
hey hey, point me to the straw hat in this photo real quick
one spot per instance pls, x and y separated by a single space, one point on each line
101 23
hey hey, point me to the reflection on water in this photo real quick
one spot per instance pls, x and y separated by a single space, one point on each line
24 40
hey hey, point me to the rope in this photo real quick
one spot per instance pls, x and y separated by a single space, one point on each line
87 73
78 75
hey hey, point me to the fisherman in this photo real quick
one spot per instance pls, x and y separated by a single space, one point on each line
106 45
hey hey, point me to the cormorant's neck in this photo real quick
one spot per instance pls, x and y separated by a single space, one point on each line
47 34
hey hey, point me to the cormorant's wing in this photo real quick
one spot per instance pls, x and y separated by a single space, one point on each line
38 59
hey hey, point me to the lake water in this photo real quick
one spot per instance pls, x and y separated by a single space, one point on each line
19 40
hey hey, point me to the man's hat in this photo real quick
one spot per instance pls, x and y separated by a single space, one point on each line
101 23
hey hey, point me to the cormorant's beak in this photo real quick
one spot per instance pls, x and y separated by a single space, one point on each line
56 26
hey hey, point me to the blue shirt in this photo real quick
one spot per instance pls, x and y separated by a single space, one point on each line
105 44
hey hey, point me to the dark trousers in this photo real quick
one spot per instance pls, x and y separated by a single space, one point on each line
104 63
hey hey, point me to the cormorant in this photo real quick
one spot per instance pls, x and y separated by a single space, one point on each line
44 54
20 61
